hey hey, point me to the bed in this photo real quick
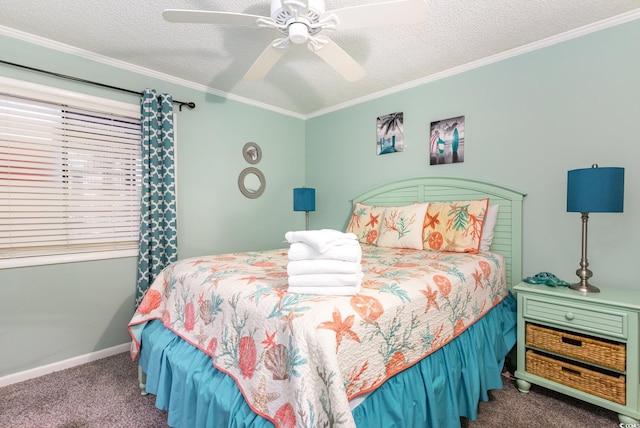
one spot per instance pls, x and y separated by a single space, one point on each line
220 341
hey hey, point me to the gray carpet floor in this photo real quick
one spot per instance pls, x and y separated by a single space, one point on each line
105 394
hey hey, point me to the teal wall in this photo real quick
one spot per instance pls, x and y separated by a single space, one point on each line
52 313
529 119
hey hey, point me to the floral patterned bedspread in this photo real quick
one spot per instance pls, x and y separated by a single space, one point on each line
298 359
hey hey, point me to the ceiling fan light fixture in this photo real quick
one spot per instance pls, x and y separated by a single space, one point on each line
298 32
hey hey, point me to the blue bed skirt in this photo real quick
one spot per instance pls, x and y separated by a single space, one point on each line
447 384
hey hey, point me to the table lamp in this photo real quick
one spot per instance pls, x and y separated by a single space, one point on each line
593 190
304 199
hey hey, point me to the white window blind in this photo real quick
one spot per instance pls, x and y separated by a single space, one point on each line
70 174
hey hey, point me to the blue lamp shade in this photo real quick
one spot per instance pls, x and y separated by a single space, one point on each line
304 199
595 190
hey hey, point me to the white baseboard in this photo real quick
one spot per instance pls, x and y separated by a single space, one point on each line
61 365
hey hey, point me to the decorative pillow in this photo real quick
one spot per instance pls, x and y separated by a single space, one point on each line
401 227
454 226
365 222
488 226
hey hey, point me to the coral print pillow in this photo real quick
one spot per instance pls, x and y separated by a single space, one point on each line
365 222
454 226
401 227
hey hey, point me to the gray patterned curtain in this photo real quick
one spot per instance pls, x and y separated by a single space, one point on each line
158 227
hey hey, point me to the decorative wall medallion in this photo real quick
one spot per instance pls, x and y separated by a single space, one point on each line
252 153
252 182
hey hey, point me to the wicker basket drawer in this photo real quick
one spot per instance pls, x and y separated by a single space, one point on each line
608 386
588 349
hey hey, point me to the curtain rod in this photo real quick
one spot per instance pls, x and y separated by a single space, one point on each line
189 104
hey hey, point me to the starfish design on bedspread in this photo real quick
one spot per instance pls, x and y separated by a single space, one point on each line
431 296
269 340
477 276
262 398
289 319
342 328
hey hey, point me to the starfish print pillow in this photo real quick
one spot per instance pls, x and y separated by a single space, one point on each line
454 226
365 222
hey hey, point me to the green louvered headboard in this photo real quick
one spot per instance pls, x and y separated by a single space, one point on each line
507 240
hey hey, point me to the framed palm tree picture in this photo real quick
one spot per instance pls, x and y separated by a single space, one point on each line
447 141
389 133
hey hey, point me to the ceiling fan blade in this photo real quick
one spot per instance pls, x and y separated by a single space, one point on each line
265 62
339 60
379 14
210 17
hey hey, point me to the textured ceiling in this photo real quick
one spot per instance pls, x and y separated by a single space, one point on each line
456 33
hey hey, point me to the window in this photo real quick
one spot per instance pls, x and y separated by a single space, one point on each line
70 175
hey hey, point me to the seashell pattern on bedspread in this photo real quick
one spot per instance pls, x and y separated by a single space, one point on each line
299 358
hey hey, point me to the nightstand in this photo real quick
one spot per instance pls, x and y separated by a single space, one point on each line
582 345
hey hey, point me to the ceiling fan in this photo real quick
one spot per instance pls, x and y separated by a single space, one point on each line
306 21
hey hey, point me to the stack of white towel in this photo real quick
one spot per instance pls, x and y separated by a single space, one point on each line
324 261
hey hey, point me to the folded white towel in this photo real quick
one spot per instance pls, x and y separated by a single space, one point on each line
304 267
329 291
347 253
326 279
321 240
